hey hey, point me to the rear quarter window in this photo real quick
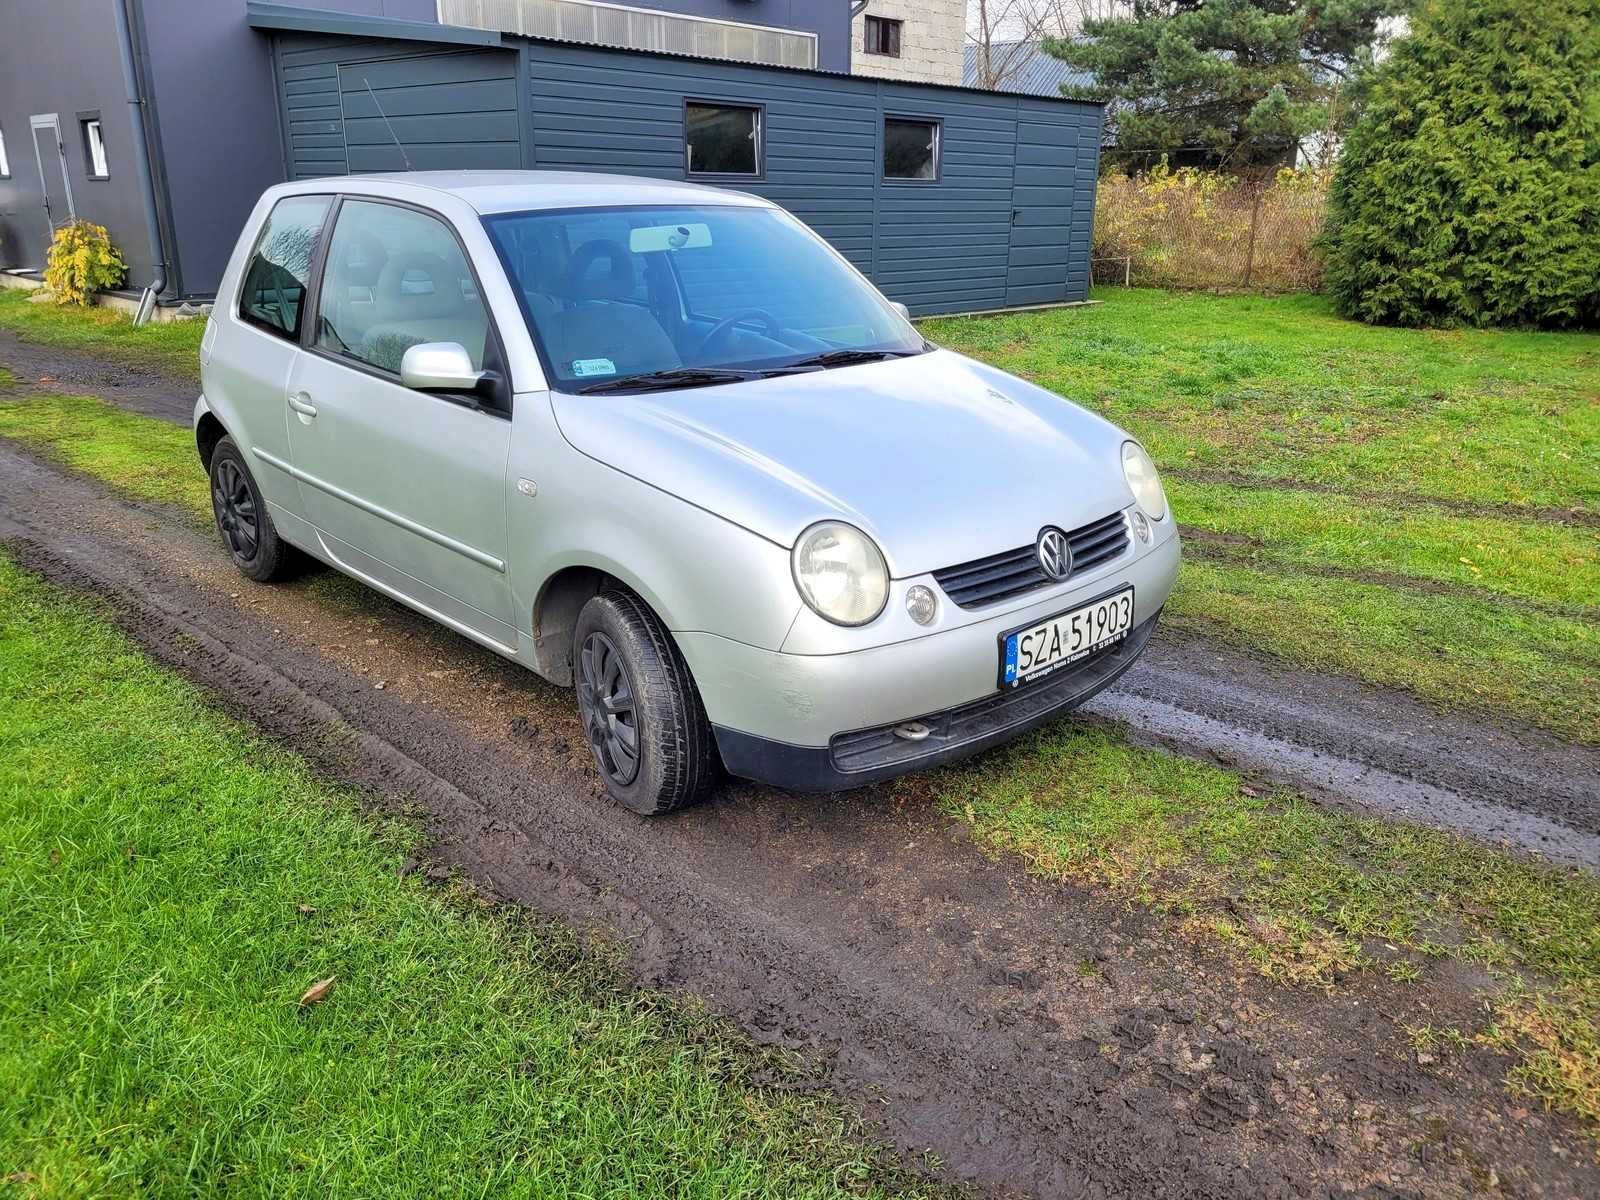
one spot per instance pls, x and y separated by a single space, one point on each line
272 295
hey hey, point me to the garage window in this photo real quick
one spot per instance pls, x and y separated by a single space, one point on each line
910 149
722 139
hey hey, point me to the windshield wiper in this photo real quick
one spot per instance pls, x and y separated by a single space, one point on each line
848 358
660 381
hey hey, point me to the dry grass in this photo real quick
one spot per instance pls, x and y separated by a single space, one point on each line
1197 229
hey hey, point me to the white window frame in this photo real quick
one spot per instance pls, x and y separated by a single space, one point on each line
5 163
94 146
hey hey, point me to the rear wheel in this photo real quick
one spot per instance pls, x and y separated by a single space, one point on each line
243 520
641 713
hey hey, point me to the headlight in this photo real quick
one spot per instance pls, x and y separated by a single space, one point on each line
840 573
1143 481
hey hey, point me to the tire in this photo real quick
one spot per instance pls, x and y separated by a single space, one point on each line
243 520
618 643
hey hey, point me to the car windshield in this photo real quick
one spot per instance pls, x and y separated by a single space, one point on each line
622 299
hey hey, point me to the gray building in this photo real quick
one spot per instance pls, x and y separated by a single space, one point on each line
164 120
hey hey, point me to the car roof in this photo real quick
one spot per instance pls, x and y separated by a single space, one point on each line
520 191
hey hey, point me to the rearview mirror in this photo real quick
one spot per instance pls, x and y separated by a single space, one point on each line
439 367
901 309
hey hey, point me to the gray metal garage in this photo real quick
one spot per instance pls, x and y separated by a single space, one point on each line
950 199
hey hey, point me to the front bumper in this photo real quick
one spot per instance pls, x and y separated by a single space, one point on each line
798 720
866 756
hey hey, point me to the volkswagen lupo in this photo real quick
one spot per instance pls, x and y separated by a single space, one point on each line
661 443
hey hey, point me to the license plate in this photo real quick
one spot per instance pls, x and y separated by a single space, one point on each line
1035 651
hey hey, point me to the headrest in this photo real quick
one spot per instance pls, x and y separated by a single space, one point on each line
361 258
617 280
416 286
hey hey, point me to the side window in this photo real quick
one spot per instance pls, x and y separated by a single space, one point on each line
396 278
882 36
274 289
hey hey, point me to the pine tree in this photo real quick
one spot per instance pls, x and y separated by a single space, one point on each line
1469 189
1242 81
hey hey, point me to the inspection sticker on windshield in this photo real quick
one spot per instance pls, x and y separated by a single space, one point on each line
582 368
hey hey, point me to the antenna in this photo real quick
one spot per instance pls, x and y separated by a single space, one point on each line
403 156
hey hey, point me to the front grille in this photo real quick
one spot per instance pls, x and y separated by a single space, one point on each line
1017 572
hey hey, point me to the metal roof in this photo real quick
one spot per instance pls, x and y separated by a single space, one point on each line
1029 71
264 14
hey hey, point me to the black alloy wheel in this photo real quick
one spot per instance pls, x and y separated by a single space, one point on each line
243 520
610 712
642 715
236 510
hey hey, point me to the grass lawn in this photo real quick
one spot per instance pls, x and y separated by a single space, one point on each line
173 347
170 886
146 458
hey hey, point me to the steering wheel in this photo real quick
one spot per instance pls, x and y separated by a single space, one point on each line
769 324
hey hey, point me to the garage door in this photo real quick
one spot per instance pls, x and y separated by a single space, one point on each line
349 109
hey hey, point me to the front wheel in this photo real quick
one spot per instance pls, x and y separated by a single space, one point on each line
642 715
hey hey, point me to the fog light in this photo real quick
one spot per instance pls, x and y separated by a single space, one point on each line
922 604
1141 525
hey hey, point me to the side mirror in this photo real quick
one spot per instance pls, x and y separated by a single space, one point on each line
901 309
439 367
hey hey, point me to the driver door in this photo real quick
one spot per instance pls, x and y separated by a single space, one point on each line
405 488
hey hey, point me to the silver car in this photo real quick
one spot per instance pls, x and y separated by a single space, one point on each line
661 443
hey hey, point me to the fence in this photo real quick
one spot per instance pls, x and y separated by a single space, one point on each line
1188 228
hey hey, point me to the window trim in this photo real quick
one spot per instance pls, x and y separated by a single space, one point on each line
938 150
86 118
5 156
895 23
255 247
759 107
496 404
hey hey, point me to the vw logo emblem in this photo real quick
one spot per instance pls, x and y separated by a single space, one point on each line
1055 553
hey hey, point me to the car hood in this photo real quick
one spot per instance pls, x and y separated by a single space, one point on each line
940 458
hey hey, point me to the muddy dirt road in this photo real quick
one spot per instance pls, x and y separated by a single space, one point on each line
1035 1038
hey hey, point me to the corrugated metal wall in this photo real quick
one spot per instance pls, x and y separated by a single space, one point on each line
1007 222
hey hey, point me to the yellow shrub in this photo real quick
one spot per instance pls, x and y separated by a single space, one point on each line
81 262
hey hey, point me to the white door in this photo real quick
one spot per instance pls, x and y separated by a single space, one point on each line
51 156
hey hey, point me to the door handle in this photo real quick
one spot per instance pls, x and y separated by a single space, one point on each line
301 403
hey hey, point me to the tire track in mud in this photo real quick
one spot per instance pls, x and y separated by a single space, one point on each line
1546 513
1036 1038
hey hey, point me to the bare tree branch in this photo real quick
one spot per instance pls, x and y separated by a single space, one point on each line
1007 32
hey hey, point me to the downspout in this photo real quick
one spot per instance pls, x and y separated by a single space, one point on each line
134 83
